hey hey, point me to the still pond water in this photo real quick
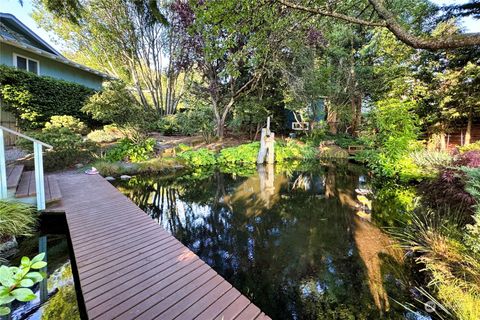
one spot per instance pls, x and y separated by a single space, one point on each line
299 243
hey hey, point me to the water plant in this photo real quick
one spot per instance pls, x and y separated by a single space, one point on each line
17 281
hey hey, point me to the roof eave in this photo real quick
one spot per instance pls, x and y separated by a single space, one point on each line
55 57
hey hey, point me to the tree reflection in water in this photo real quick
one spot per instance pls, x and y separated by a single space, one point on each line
290 242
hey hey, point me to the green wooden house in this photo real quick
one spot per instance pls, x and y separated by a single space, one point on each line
21 48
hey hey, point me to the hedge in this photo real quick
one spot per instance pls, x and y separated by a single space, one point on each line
34 99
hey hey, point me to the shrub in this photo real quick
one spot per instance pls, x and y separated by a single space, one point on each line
131 151
199 157
68 147
448 191
293 150
431 159
168 125
392 136
35 99
116 104
16 219
470 147
468 159
245 153
109 133
452 269
68 122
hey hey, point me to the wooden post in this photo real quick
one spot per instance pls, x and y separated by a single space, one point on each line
3 168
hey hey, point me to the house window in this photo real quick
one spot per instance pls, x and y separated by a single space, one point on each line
25 63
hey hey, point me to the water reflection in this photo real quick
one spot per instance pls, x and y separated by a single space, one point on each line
293 243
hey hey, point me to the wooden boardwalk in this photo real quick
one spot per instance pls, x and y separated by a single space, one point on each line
129 267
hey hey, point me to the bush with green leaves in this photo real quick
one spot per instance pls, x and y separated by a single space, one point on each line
68 122
472 232
428 159
16 219
115 104
244 153
15 282
197 120
128 150
109 133
199 157
294 150
35 99
390 137
470 147
69 147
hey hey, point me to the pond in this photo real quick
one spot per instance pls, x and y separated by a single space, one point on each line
56 297
297 242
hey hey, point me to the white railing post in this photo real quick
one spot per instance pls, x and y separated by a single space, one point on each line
3 168
39 182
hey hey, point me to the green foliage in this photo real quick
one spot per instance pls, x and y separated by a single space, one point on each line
34 99
168 125
472 234
393 204
199 157
294 150
391 136
63 305
16 219
193 121
128 150
470 147
109 133
68 122
116 104
428 159
16 281
454 270
68 147
243 154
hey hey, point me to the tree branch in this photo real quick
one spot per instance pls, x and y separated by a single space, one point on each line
332 14
390 22
431 43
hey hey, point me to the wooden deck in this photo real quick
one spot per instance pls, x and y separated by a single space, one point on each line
129 267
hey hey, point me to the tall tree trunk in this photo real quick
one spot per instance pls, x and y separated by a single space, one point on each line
468 133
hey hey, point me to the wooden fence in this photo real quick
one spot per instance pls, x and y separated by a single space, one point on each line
8 120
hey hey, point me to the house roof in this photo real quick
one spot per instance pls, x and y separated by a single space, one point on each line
15 33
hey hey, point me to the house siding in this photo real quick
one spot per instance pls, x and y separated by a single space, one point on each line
52 68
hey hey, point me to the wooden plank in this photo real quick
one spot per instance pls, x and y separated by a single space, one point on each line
234 309
55 194
13 176
128 265
219 305
24 185
251 312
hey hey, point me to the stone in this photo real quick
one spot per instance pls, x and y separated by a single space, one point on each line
125 177
79 165
110 178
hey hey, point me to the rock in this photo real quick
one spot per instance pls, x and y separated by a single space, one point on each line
332 152
79 165
8 247
125 177
110 178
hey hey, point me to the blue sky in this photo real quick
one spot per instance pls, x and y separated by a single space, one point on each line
24 14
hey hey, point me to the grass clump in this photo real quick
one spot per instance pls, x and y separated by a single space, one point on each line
16 219
452 269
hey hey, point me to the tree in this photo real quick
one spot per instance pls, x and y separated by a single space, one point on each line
376 13
126 39
221 55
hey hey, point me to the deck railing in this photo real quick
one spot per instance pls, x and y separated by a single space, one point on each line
38 160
